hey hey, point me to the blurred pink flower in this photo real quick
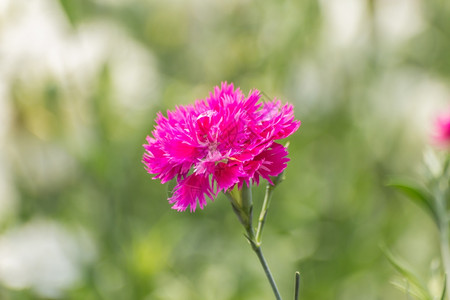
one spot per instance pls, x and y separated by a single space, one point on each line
224 140
442 128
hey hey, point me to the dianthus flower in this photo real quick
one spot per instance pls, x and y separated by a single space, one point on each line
224 140
442 135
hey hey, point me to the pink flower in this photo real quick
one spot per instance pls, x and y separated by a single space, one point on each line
224 140
442 135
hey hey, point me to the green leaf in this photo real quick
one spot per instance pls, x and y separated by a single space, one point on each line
418 195
405 289
70 10
75 10
417 287
444 288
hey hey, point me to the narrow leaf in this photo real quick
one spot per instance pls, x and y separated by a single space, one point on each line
405 289
418 195
417 287
444 288
71 10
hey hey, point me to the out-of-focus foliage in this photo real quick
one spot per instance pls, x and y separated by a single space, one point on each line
81 83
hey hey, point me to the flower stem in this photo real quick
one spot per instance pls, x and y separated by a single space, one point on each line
441 205
269 276
445 252
242 204
444 239
263 214
255 240
297 285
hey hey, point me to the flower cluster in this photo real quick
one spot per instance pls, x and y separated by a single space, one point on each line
224 140
442 135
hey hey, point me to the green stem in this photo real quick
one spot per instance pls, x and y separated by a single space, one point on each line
265 266
255 241
297 285
243 207
247 207
263 214
443 219
444 240
446 258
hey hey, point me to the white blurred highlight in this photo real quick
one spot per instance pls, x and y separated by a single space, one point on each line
37 40
343 21
43 256
37 43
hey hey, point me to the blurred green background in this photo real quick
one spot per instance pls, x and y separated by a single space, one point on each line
82 81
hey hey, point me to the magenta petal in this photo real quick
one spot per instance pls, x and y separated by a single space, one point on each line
273 162
157 162
442 127
189 191
226 176
181 150
278 120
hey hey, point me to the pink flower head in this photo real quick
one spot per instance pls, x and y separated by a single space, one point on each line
224 140
442 135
